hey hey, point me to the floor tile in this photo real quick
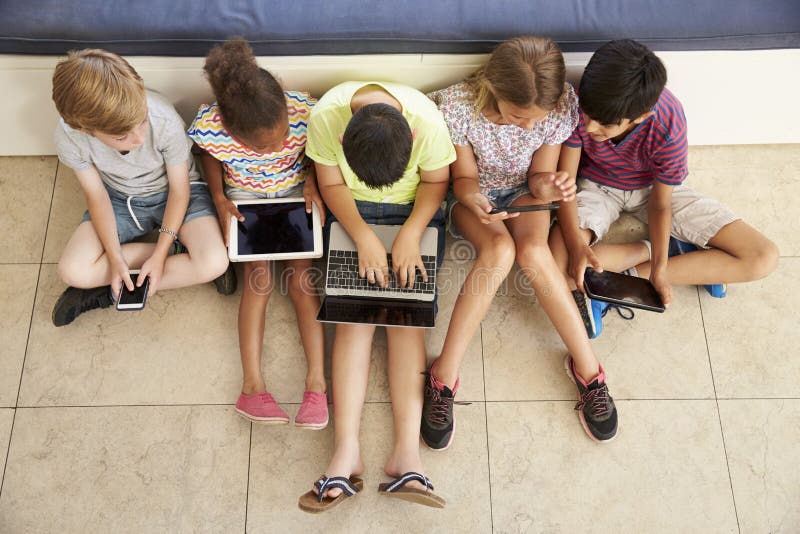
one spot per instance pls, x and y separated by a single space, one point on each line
758 182
295 457
17 289
131 469
182 349
451 277
6 420
753 335
68 208
523 354
24 210
761 438
664 472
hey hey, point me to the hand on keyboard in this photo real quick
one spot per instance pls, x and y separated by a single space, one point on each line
406 259
372 262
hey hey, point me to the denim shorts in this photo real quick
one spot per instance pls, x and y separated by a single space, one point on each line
500 198
138 216
395 214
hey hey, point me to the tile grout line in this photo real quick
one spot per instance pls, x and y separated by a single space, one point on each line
486 421
247 488
719 414
30 327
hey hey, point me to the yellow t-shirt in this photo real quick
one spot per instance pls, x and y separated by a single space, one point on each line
432 148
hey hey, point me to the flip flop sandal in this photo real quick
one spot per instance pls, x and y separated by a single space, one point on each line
397 488
315 503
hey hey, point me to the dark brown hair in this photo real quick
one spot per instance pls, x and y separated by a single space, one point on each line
524 71
249 97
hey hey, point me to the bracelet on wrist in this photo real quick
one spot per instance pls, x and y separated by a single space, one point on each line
167 231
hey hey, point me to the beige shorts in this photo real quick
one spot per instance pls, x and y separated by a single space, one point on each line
695 218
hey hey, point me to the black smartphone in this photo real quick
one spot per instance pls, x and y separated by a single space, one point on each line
532 207
617 288
133 300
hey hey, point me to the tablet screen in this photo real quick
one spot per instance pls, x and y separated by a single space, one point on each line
277 228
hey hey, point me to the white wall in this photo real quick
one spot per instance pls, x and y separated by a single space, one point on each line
730 97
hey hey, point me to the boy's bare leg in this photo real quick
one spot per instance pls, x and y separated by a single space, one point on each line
530 231
258 284
84 263
495 256
302 291
740 253
352 348
406 365
206 258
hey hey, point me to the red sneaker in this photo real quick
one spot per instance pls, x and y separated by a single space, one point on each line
313 413
261 408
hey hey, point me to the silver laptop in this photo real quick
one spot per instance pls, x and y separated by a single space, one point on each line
351 299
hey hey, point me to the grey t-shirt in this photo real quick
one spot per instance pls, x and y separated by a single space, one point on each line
141 171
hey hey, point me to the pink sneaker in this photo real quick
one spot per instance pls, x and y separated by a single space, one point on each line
261 408
313 413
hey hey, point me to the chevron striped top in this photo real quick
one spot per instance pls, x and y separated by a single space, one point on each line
269 173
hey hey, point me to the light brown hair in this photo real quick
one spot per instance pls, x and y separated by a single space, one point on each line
524 71
98 91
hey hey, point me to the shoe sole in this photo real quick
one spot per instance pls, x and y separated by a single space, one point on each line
449 442
580 412
262 420
312 426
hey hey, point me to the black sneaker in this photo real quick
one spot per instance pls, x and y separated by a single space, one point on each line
226 282
438 424
596 408
74 301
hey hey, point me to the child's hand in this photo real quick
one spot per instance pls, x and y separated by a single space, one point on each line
553 186
311 194
480 206
660 281
119 276
372 262
225 210
406 259
154 268
579 259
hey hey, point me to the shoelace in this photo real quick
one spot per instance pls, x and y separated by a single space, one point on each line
598 401
442 407
628 315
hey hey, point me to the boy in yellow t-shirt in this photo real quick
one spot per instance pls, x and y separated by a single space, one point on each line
382 153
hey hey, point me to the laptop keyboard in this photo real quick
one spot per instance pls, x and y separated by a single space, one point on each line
343 274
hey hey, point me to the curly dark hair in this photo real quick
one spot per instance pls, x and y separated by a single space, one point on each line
249 97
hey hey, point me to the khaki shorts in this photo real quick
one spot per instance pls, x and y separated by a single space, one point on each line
695 218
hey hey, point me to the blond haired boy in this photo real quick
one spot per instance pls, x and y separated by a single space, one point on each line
129 149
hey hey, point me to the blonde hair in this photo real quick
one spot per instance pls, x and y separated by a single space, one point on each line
97 91
524 71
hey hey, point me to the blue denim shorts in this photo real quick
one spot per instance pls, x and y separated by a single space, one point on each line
138 216
500 198
395 214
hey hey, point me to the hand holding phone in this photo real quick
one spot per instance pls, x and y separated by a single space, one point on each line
521 209
617 288
133 300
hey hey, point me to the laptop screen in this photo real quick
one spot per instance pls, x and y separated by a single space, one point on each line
275 228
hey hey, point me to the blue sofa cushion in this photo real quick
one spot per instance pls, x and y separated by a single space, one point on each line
305 27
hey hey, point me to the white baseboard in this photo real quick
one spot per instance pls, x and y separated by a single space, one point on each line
730 97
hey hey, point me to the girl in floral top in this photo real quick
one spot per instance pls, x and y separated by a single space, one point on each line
508 121
254 139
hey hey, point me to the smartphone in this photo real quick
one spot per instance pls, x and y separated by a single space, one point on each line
520 209
133 300
617 288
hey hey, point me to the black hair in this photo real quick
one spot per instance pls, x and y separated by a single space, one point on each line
377 145
249 97
623 80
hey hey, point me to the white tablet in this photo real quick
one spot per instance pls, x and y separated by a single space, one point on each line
275 229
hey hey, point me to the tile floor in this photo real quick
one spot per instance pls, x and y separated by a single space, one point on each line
124 422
